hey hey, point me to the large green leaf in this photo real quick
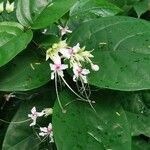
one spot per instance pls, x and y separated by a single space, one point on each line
41 13
27 71
121 49
20 135
95 7
125 4
140 124
85 10
13 39
138 113
81 128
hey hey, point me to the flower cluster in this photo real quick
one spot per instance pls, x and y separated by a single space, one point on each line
64 30
48 132
44 131
76 55
9 7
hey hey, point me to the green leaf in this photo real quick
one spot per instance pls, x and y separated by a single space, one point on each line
27 71
125 4
140 124
121 49
95 7
81 128
41 13
13 39
20 135
141 7
137 111
140 144
85 10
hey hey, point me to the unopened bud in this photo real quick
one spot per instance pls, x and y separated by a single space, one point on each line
94 67
1 7
47 111
10 7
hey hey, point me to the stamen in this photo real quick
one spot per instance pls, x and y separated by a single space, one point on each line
56 88
82 83
72 89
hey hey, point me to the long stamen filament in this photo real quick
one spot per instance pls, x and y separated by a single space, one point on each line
72 89
87 95
56 88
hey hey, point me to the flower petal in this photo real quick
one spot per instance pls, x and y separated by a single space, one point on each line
50 126
84 78
39 114
42 134
63 67
65 52
76 48
85 71
60 73
52 75
33 123
43 129
33 110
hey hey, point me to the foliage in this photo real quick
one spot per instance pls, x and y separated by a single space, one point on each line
108 109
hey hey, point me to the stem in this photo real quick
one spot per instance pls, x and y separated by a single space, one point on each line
17 122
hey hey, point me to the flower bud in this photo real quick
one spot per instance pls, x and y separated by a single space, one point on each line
94 67
1 7
9 7
47 111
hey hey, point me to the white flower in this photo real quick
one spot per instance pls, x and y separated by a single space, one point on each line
47 111
81 54
57 67
80 73
70 52
64 30
44 31
1 7
10 7
77 55
8 96
55 49
47 131
34 115
94 67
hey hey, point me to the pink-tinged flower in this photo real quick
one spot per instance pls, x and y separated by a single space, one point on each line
64 30
70 51
57 67
80 73
94 67
34 115
47 131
